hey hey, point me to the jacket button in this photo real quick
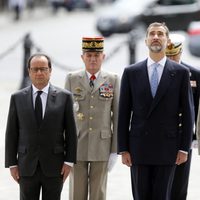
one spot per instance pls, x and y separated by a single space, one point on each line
91 118
90 129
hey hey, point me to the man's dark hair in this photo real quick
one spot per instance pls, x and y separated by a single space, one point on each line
157 24
39 55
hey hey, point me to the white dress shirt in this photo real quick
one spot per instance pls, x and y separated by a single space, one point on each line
160 68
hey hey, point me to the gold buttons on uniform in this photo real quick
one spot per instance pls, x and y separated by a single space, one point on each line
92 96
90 129
91 118
180 114
91 106
180 125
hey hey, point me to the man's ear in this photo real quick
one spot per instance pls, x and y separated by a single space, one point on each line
168 41
145 42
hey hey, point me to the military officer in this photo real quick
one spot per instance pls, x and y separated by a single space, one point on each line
95 94
181 177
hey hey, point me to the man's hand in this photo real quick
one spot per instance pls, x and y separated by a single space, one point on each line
181 157
14 171
126 159
65 171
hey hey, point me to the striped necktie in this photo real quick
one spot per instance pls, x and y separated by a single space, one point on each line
92 78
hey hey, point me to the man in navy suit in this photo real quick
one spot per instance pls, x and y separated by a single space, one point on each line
152 94
41 134
181 177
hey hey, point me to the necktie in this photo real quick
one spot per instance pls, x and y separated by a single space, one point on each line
92 78
38 108
154 79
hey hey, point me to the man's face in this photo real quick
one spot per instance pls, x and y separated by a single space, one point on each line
39 71
93 61
156 39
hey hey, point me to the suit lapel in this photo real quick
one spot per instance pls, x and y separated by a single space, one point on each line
168 76
50 100
142 80
83 80
100 80
145 80
28 103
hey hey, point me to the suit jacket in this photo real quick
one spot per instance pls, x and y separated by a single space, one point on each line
96 114
148 127
195 84
51 144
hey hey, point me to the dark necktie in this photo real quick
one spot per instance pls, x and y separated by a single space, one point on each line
38 108
92 78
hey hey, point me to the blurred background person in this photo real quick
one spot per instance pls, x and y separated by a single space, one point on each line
181 177
96 94
17 6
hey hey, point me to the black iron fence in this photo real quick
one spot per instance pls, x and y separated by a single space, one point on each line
29 46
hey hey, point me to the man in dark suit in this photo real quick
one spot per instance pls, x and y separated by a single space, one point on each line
181 176
41 134
152 93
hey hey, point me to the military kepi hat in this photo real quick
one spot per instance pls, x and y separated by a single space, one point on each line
176 45
92 44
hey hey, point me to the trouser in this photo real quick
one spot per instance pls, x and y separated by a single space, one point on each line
152 182
30 186
181 179
88 180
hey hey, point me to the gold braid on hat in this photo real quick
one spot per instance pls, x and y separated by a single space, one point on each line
92 43
173 49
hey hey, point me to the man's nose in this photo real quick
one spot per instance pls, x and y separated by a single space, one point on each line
93 58
155 36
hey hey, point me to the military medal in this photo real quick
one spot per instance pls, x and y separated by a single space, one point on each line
78 89
106 90
80 116
76 106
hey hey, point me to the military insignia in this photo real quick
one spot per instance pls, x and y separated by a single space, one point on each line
76 106
106 90
78 89
80 116
77 96
193 83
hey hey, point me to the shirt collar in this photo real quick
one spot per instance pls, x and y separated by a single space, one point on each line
45 89
160 62
89 75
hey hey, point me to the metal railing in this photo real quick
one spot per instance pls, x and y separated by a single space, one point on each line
29 46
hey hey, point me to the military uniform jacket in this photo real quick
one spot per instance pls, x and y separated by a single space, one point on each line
96 112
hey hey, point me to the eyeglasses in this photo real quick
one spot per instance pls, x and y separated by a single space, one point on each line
41 69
